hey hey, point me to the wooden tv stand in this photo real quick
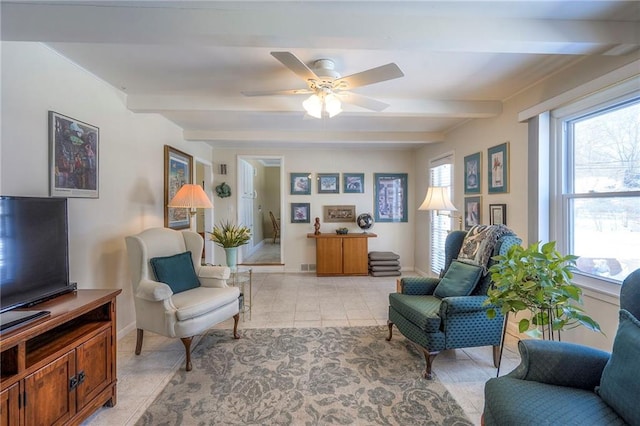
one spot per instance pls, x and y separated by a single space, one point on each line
60 368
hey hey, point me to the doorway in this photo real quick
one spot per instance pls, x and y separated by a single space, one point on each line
260 182
204 217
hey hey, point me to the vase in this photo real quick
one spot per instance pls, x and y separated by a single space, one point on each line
232 256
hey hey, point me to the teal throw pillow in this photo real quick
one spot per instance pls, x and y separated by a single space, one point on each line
176 271
459 280
620 382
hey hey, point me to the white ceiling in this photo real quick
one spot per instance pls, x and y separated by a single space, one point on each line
190 60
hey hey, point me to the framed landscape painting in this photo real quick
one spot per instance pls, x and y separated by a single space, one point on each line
178 169
390 202
73 157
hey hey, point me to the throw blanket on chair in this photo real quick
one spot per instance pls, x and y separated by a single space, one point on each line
479 243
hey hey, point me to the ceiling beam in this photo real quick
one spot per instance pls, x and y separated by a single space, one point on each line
293 25
314 137
405 107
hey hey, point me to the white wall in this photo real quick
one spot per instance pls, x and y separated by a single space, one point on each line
35 80
297 248
479 135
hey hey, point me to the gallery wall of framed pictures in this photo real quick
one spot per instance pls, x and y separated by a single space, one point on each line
497 183
389 195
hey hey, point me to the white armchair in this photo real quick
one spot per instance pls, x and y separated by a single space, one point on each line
187 309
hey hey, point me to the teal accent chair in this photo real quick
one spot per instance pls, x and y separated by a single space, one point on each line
567 384
434 323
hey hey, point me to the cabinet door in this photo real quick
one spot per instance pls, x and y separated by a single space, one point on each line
49 399
355 256
93 367
329 256
9 406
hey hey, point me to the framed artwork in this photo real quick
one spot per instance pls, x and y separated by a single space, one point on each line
300 212
73 157
390 198
497 214
328 183
300 183
472 171
353 183
472 211
339 214
498 164
178 170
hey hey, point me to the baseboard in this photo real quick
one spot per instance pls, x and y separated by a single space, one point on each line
126 330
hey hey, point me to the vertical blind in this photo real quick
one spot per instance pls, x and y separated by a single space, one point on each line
441 174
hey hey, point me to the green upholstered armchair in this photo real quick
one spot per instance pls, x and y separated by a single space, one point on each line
568 384
437 320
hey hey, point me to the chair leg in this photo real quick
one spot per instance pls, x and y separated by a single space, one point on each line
496 356
139 338
390 325
236 318
186 341
428 357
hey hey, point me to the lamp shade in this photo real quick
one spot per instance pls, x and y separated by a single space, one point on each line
313 106
437 199
190 196
323 104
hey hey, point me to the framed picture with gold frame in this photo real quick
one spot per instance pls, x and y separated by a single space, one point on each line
178 170
339 213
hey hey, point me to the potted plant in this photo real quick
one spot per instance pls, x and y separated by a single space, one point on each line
230 236
538 279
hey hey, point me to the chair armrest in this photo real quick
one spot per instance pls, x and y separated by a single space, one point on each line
214 276
417 285
462 304
560 363
153 291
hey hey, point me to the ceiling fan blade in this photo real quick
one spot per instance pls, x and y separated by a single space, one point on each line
292 62
373 75
277 92
362 101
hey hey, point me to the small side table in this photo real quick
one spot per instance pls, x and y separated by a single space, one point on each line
240 277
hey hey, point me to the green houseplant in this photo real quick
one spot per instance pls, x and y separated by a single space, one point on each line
230 236
538 279
227 234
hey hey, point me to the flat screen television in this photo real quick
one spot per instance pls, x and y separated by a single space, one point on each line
34 251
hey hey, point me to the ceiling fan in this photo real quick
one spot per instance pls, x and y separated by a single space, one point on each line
327 88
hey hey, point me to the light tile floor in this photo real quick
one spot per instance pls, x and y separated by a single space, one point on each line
297 300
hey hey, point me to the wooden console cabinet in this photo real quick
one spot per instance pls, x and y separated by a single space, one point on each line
60 368
342 254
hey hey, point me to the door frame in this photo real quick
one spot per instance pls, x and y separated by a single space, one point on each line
283 186
207 173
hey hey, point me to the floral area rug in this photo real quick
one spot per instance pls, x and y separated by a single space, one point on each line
306 376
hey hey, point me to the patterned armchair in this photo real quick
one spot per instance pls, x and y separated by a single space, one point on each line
449 312
567 384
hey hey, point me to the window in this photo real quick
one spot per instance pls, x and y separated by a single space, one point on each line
597 202
441 173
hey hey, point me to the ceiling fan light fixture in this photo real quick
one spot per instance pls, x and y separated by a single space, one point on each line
316 105
313 106
332 105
